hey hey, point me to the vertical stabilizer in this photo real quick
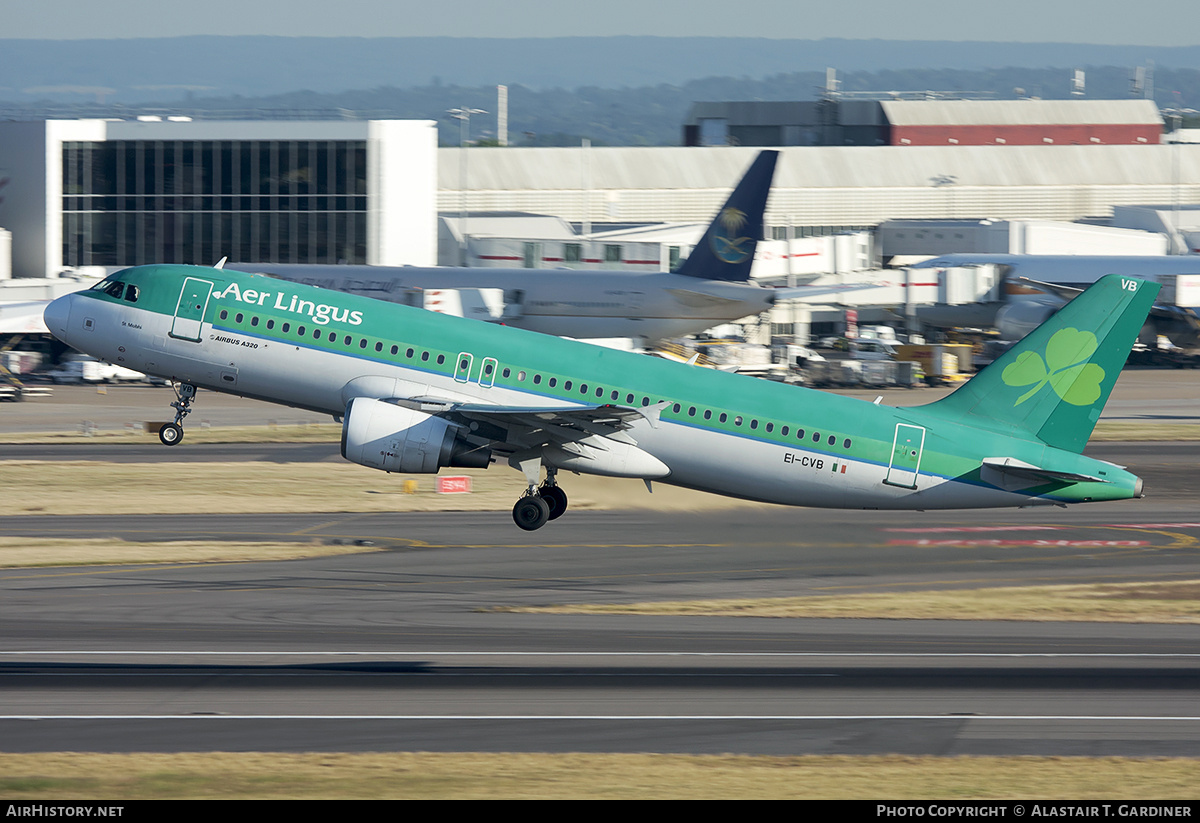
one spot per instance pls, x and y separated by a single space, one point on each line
1053 384
726 251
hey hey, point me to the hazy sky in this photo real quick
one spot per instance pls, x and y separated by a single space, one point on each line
1118 22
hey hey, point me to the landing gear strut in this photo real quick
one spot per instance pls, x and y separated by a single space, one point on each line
171 433
554 496
540 504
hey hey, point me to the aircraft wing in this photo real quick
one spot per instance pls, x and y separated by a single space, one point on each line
593 439
23 318
529 427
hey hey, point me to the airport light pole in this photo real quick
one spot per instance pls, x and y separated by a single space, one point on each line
463 116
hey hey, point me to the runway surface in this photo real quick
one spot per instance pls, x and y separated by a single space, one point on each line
403 648
406 646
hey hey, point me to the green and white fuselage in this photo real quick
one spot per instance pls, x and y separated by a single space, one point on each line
402 378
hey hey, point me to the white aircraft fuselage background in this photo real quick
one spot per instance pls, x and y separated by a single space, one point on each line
563 302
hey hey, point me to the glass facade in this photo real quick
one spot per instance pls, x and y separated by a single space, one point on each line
132 202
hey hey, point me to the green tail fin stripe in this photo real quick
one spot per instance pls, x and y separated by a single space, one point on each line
1052 385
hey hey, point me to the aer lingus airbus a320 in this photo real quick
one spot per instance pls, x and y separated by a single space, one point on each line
417 392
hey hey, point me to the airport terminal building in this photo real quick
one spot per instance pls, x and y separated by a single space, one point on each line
99 193
88 195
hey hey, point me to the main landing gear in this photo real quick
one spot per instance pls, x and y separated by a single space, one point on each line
540 504
171 433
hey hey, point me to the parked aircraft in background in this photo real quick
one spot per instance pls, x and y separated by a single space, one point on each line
20 318
712 286
417 391
1037 285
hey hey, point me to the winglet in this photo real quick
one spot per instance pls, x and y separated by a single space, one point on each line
726 251
1054 383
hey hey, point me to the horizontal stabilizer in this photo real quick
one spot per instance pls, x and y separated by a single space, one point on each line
1020 470
800 292
700 300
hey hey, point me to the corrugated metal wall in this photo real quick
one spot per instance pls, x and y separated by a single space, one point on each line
843 186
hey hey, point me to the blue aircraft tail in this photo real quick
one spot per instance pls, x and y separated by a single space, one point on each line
726 251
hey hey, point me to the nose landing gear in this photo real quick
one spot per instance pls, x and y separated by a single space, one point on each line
171 433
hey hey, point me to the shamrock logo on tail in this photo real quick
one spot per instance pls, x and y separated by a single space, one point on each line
1065 368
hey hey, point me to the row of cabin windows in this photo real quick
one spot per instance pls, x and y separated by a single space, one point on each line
551 382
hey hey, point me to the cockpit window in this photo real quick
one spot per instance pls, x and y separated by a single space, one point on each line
131 293
115 289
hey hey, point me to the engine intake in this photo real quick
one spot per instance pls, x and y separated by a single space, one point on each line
395 439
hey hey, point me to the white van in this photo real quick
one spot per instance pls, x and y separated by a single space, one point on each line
90 370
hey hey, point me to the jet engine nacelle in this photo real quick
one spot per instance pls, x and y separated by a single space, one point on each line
395 439
1018 319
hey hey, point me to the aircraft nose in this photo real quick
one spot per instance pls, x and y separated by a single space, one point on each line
58 316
